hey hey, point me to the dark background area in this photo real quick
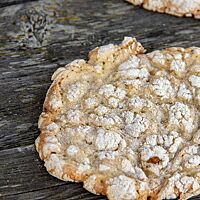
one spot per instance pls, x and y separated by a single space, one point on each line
37 37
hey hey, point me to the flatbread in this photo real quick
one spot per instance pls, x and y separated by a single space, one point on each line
125 123
187 8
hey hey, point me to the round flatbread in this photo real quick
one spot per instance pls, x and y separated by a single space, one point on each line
188 8
126 123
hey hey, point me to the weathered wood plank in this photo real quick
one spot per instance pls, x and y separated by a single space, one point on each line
23 176
22 171
38 37
5 3
68 191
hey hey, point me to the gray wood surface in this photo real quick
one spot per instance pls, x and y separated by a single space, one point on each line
37 37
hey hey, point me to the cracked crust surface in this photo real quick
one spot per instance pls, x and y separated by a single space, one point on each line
188 8
125 123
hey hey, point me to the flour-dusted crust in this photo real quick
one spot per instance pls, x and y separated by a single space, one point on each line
188 8
125 123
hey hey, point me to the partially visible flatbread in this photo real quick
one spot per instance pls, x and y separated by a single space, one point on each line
125 123
188 8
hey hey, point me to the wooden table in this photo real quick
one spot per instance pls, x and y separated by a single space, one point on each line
37 37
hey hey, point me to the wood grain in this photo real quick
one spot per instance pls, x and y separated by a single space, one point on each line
5 3
36 38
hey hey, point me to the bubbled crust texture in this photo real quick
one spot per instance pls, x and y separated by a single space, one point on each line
188 8
125 123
